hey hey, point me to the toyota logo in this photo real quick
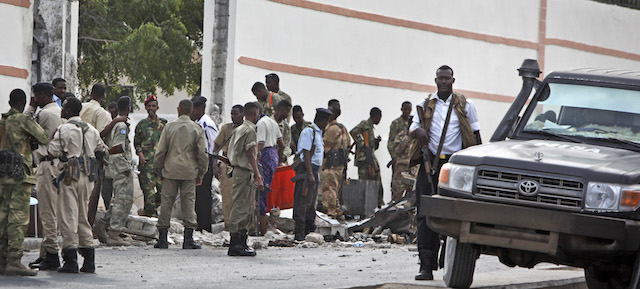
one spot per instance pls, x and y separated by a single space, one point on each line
528 188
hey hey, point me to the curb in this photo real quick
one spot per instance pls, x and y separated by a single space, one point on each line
572 283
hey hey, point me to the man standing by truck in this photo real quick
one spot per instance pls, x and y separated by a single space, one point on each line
441 133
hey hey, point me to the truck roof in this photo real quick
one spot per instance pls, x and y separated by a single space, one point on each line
601 75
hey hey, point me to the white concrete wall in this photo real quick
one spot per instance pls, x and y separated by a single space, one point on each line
290 35
15 49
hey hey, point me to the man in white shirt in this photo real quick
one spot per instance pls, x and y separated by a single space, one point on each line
203 191
269 136
462 131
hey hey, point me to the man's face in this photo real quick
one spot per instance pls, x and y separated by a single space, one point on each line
271 83
236 116
282 113
197 112
42 99
60 88
113 111
406 110
444 81
261 94
151 107
322 124
335 104
65 112
298 117
376 119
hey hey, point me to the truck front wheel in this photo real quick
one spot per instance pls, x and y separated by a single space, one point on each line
599 279
459 264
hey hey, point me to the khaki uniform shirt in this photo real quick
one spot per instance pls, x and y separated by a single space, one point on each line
49 119
93 114
119 163
224 136
69 138
285 130
181 153
16 129
243 139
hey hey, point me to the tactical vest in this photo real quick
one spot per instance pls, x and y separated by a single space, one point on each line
459 106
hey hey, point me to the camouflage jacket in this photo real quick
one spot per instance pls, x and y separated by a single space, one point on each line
147 136
285 130
400 146
398 125
356 132
269 105
15 131
286 97
119 163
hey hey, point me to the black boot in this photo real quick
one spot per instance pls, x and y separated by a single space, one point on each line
426 265
246 247
70 258
239 246
88 266
50 262
188 240
36 263
162 239
299 232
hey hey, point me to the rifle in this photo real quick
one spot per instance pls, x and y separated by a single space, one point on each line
426 154
223 159
368 153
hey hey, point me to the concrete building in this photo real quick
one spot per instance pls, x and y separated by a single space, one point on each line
380 53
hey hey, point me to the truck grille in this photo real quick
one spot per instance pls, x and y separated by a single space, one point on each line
553 191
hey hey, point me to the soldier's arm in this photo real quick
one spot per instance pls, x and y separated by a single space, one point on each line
161 153
56 146
201 155
37 133
355 132
137 138
281 149
119 162
107 123
392 134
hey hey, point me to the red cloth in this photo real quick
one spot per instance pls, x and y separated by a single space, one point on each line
150 98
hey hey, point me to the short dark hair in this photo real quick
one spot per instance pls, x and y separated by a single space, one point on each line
375 112
44 87
297 108
445 67
336 111
112 104
186 106
238 107
406 102
284 104
123 103
251 106
69 94
257 86
17 97
332 102
55 81
74 104
273 76
98 90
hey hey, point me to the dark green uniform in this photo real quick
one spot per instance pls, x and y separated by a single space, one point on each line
364 171
16 129
147 136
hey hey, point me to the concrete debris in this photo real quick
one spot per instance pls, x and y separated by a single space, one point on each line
308 245
260 244
315 238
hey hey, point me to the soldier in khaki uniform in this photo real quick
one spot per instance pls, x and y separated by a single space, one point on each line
282 111
17 132
181 161
243 158
78 146
273 84
266 99
398 126
366 145
336 145
145 140
119 170
48 117
220 169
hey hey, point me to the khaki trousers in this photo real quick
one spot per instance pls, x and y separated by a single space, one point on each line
242 200
47 195
73 221
168 196
226 188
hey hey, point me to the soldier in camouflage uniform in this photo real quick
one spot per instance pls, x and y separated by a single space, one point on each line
398 126
147 135
399 183
283 109
267 100
273 84
366 161
336 144
17 132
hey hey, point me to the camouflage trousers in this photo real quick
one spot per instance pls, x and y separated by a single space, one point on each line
121 202
399 184
151 188
14 218
331 180
364 174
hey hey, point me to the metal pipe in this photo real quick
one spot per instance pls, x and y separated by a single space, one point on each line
529 71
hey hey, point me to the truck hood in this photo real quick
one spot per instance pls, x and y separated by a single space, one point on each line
590 162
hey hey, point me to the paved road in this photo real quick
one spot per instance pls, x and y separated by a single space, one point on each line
324 267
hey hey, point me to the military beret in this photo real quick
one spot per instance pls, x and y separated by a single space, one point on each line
323 111
150 98
198 100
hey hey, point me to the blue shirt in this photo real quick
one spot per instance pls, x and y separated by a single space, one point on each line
57 100
304 143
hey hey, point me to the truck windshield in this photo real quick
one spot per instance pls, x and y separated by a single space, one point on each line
588 112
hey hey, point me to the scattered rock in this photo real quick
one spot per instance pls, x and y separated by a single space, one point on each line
308 245
315 238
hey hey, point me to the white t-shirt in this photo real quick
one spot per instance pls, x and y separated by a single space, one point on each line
268 131
453 138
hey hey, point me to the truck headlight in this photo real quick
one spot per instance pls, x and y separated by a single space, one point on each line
457 177
612 197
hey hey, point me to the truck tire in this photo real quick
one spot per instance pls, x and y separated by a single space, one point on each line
599 280
459 264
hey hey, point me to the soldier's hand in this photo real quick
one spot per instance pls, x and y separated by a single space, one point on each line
198 182
421 135
379 139
259 183
215 170
141 160
121 118
311 180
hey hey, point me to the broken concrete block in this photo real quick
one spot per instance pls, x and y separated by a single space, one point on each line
315 238
142 226
308 245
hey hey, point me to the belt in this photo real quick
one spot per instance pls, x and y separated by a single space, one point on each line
46 159
444 157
